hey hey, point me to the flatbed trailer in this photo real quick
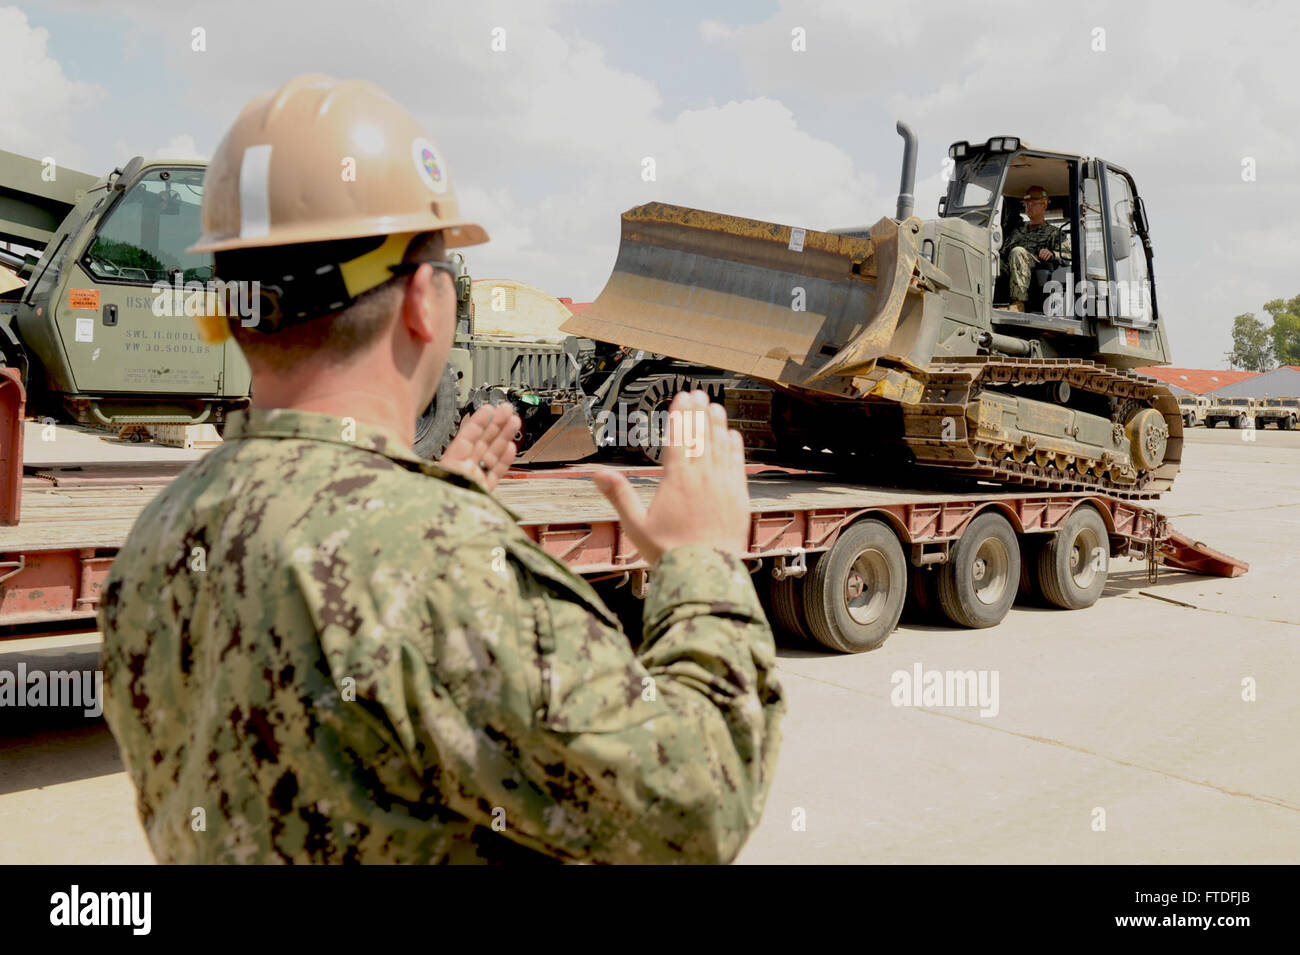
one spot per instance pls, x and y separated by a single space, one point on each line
834 561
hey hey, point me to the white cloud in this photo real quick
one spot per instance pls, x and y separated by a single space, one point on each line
42 105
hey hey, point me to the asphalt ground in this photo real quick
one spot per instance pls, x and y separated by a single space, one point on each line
1137 731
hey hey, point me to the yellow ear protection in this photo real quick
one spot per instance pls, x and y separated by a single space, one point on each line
306 293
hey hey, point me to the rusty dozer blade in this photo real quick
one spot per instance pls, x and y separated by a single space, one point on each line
803 308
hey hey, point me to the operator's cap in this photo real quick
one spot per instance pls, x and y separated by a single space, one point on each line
320 160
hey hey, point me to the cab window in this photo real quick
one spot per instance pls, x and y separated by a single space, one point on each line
144 237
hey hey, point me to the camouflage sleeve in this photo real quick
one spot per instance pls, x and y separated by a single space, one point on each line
569 742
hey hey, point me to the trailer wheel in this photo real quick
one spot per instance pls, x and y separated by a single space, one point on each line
787 606
979 582
854 594
1072 569
435 428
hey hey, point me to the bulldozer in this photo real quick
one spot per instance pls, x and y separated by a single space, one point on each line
893 351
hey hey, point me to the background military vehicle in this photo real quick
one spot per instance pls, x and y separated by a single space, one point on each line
1193 409
1282 412
891 346
90 334
509 348
1238 412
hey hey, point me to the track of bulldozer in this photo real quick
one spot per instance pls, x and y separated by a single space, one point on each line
952 390
943 431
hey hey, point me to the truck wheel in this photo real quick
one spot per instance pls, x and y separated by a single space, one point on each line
1286 424
787 606
435 428
1072 568
978 584
854 594
1237 422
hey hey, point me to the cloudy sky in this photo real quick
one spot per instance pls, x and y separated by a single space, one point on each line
545 139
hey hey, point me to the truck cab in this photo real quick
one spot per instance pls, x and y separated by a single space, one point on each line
1100 299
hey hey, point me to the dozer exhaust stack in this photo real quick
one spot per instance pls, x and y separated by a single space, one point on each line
803 308
906 200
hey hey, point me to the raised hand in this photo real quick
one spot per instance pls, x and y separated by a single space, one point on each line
703 497
484 447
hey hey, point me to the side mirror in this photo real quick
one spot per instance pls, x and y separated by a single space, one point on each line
128 173
1140 216
1121 241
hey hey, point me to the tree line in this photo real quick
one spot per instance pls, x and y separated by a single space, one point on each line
1257 346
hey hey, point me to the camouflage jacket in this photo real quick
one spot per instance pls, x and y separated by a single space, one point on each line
319 649
1035 238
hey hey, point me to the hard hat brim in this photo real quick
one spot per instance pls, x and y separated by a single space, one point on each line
456 234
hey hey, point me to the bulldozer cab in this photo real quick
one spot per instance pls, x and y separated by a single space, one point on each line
1104 285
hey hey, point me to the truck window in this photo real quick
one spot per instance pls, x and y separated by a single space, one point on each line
146 233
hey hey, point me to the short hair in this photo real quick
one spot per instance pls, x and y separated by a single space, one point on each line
336 336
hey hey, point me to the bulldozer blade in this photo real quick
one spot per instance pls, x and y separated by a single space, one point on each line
569 439
803 308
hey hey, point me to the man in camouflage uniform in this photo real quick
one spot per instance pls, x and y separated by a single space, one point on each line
1032 245
319 647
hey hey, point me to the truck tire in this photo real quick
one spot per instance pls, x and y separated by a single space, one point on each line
854 594
1237 422
435 428
980 580
787 607
1286 424
1072 568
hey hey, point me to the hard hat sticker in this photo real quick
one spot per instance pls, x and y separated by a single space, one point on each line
429 165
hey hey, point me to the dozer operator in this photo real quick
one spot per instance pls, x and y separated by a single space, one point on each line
1032 245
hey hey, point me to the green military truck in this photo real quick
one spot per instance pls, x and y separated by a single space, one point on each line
1238 412
98 328
1282 412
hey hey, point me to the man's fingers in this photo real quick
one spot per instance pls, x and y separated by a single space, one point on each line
678 408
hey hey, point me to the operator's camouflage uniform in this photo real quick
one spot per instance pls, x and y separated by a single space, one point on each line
340 652
1020 252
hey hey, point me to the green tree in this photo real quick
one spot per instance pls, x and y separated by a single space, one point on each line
1285 333
1251 344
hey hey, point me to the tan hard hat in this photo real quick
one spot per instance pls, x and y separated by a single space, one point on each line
322 159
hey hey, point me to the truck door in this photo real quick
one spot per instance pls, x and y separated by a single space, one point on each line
121 331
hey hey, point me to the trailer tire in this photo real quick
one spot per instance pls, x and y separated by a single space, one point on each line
978 584
854 594
1074 563
435 428
786 598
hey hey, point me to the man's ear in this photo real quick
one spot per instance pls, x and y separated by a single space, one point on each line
419 305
